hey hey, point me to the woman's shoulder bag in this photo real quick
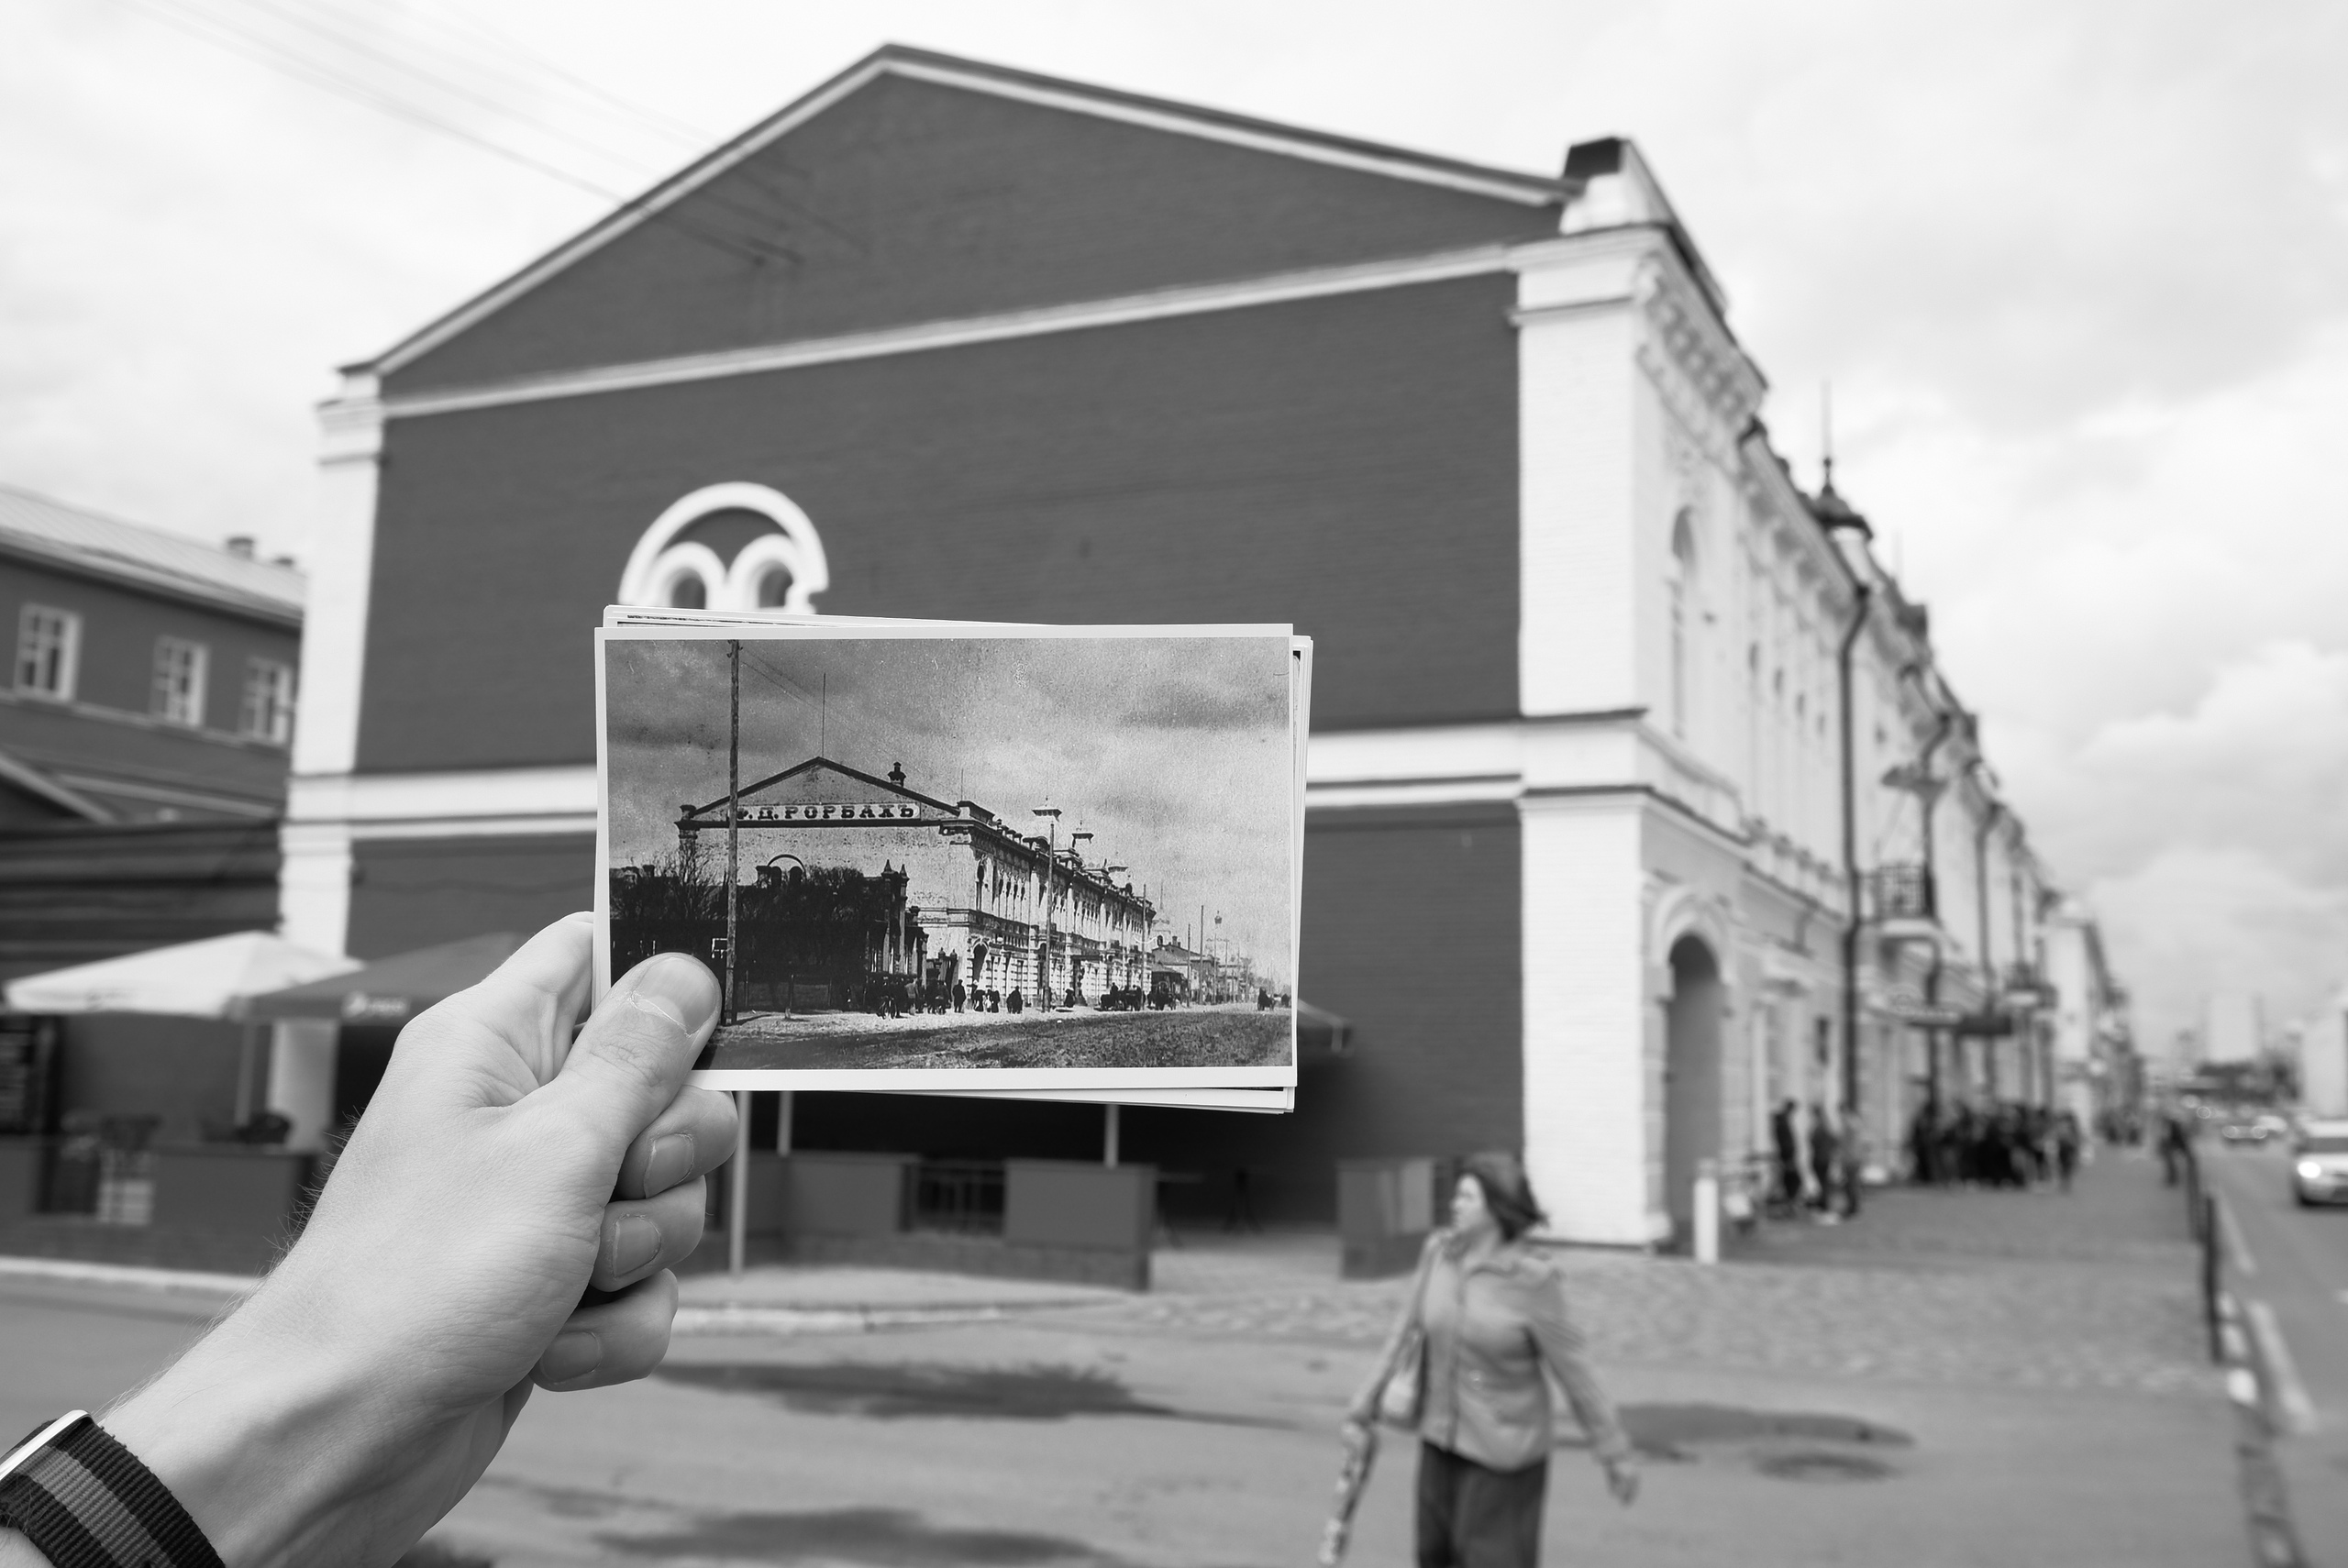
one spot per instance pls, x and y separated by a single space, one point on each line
1402 1399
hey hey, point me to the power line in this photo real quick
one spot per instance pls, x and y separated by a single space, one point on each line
275 55
675 129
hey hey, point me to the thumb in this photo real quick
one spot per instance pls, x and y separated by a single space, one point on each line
631 1059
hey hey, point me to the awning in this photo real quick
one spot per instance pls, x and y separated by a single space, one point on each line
392 991
211 979
1321 1033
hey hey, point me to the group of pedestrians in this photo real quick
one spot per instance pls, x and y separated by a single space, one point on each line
1998 1145
1818 1162
893 996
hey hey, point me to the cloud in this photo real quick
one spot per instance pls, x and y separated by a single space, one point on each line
2214 840
2195 920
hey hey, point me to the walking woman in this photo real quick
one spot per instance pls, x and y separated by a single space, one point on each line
1477 1345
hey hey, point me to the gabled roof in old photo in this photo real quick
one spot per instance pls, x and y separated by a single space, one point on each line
883 788
917 187
89 544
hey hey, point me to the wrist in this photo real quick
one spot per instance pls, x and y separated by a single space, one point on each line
258 1435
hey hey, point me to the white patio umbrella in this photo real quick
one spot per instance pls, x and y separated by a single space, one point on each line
191 980
211 979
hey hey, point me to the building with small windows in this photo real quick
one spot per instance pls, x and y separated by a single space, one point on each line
985 904
151 677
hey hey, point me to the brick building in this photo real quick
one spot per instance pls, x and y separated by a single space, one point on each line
943 339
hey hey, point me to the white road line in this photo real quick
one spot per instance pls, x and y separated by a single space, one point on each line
2293 1408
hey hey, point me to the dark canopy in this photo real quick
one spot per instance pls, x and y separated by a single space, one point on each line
391 990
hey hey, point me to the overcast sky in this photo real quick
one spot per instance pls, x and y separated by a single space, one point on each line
1176 754
2078 275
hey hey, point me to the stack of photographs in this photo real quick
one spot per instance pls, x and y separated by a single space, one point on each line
947 858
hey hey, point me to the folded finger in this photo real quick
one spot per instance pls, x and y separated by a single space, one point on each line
690 1138
617 1341
643 1235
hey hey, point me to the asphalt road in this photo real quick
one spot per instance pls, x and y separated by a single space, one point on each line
2289 1266
1097 1438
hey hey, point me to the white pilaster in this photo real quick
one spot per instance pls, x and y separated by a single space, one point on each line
1577 373
313 888
313 884
1586 1006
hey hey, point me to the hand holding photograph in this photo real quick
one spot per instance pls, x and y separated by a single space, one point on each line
941 857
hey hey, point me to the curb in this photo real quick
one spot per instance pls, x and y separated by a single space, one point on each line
70 1270
713 1318
855 1318
2274 1544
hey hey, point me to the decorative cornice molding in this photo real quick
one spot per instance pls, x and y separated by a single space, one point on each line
1684 333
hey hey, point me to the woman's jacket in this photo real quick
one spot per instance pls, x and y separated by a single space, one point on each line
1491 1328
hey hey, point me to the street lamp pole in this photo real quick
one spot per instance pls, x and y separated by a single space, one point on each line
1051 856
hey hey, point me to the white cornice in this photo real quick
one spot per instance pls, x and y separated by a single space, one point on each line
1684 329
517 801
924 336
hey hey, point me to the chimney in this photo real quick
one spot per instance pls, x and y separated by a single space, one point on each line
897 774
241 545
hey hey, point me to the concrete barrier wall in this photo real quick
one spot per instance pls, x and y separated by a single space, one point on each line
842 1194
1069 1203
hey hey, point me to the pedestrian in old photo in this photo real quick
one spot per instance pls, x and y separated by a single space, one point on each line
1482 1336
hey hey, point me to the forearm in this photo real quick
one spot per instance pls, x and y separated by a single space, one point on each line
256 1434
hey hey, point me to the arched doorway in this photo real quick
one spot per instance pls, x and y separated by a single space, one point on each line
1692 1078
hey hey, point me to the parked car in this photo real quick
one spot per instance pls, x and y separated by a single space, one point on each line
2319 1163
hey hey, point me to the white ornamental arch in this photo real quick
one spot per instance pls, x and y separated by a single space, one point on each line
660 563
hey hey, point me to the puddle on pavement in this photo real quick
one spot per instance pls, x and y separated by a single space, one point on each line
1809 1465
869 1538
1664 1428
890 1391
1785 1445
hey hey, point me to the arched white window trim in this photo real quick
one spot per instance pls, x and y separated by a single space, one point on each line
657 563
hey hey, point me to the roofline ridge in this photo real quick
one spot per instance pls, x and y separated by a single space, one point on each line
745 143
819 759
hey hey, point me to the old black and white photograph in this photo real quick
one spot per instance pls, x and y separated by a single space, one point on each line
944 858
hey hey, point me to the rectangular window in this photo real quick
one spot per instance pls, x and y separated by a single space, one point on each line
269 701
180 669
49 651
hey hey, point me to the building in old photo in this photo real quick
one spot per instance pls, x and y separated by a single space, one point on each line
1639 805
991 903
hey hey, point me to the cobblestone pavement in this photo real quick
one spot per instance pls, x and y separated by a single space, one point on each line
2093 1290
